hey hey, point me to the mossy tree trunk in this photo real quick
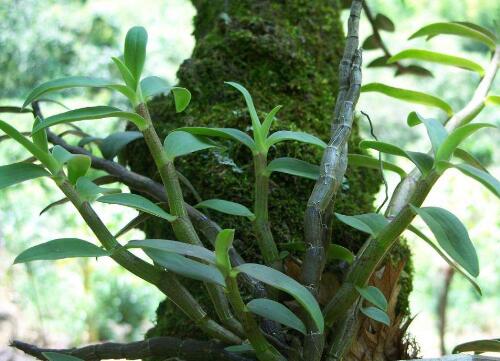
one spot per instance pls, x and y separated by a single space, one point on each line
284 52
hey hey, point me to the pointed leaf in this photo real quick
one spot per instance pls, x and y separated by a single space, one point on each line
469 159
413 69
493 99
435 130
336 251
226 133
89 191
153 86
376 314
379 62
54 204
127 76
286 284
268 121
135 51
370 43
251 108
127 91
435 29
55 356
435 57
479 28
180 143
479 346
384 23
182 97
186 267
89 113
370 223
243 348
360 160
12 174
137 202
181 248
293 166
59 249
274 311
40 138
283 135
373 295
451 235
223 243
485 178
411 96
227 207
114 143
423 161
133 224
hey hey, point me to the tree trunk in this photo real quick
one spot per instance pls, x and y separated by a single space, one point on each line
284 52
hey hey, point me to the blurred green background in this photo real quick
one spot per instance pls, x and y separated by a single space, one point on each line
80 301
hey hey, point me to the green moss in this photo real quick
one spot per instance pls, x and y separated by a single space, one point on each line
284 53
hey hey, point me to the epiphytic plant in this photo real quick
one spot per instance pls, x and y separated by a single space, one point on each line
238 332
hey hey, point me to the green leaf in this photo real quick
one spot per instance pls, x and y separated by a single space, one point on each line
274 311
293 166
55 356
186 267
286 284
137 202
64 83
451 235
435 57
78 166
435 29
180 143
379 62
181 248
114 143
182 97
243 348
14 109
12 174
89 191
445 257
223 243
435 130
479 346
336 251
54 204
373 295
376 314
493 99
283 135
411 96
371 223
384 23
469 159
423 161
485 178
413 69
227 207
370 43
89 113
135 51
128 92
251 108
268 121
481 29
456 137
360 160
154 85
225 133
127 76
40 138
59 249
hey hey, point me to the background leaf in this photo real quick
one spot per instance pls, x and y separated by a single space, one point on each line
180 143
384 23
274 311
154 85
227 207
12 174
370 223
376 314
293 166
479 346
373 295
55 356
302 137
226 133
481 176
360 160
114 143
181 248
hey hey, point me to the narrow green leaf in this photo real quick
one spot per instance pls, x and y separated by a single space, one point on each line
445 257
479 28
456 137
384 23
243 348
371 223
135 51
54 204
293 166
186 267
154 85
226 133
373 295
89 113
14 109
435 130
114 143
227 207
479 346
137 202
181 248
485 178
413 69
451 235
423 161
411 96
286 284
223 243
381 61
268 121
133 224
127 91
469 159
40 138
283 135
274 311
55 356
336 251
127 76
376 314
89 191
251 108
180 143
59 249
435 57
493 99
12 174
435 29
360 160
182 97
